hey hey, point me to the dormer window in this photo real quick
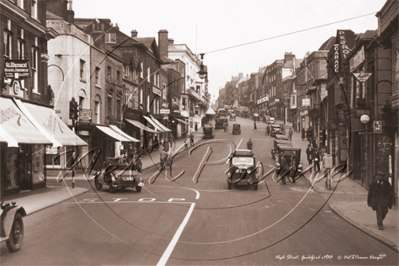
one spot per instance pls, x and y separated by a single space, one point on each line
110 37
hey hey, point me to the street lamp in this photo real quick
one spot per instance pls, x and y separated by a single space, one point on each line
202 73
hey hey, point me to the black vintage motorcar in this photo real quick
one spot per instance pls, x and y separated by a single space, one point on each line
275 129
294 165
12 225
279 136
236 129
120 174
208 132
242 171
279 143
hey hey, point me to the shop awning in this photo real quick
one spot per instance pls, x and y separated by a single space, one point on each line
16 127
160 125
4 137
158 128
210 111
182 121
141 126
50 125
115 128
113 134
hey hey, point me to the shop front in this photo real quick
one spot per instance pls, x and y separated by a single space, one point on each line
26 132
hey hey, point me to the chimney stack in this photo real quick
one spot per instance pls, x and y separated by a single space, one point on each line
163 42
288 56
171 41
133 33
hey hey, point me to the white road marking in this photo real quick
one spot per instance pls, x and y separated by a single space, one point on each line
267 206
239 144
327 211
118 199
175 238
173 199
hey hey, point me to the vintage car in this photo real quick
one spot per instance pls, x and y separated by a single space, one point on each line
271 120
12 225
233 117
208 132
119 175
280 136
236 129
277 144
275 130
242 171
293 158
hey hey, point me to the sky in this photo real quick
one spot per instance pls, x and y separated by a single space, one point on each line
211 26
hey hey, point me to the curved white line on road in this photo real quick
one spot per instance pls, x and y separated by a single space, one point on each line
196 191
172 244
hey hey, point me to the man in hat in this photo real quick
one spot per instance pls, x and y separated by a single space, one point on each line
380 197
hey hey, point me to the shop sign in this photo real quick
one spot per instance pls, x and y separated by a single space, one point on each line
262 100
361 112
305 102
51 150
303 113
164 111
83 133
16 69
84 115
357 59
362 76
156 91
184 113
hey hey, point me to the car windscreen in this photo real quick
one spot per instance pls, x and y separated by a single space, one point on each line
246 161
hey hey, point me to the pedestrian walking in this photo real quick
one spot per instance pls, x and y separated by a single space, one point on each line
309 154
156 143
172 141
380 197
255 125
191 138
284 168
196 127
322 152
303 134
225 126
316 160
290 133
293 169
267 130
162 154
249 144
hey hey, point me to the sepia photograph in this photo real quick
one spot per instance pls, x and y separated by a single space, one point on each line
214 132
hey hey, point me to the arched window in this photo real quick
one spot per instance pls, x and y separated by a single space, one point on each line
148 103
82 97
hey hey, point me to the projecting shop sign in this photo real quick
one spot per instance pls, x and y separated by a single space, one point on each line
16 69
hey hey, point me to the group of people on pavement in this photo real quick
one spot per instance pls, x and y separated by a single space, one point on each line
314 155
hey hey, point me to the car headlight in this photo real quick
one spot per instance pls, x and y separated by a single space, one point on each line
228 174
237 170
249 171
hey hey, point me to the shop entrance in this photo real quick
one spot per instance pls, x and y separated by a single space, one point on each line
24 173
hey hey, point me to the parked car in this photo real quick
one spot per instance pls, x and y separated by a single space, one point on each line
242 170
279 136
271 120
12 225
279 143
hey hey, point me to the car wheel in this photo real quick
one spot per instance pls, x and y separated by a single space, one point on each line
138 188
98 185
256 187
228 185
112 189
283 180
14 243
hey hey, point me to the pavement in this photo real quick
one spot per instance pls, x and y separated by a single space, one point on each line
347 198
